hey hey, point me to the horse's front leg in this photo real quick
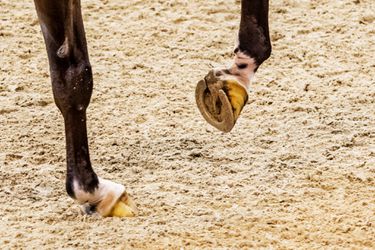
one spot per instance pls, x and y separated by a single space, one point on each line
223 93
72 84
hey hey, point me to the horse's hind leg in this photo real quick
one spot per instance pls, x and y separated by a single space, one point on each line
71 76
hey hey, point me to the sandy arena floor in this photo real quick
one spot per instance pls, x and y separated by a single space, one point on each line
297 172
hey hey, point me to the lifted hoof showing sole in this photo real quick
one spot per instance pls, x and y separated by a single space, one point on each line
220 101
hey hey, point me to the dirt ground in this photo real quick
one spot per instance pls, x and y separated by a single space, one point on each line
297 171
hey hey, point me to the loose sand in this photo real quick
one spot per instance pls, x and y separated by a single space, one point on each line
297 171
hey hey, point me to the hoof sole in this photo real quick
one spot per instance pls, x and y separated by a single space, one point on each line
220 101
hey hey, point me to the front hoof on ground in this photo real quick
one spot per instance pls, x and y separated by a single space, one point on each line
108 200
124 207
114 206
220 100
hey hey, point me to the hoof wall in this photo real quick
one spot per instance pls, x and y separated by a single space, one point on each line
124 207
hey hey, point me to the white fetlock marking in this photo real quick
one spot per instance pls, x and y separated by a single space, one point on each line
245 75
105 195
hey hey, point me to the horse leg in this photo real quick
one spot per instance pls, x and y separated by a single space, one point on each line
222 95
71 76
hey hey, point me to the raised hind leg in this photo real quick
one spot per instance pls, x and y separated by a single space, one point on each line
222 94
71 76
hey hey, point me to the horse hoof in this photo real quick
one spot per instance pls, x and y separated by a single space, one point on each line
124 207
109 200
220 101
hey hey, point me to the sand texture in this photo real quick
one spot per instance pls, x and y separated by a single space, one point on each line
296 172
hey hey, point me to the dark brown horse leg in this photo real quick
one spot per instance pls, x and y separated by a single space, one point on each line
222 95
64 35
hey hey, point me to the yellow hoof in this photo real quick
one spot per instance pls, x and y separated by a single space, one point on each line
237 95
125 207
